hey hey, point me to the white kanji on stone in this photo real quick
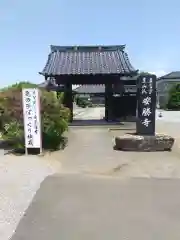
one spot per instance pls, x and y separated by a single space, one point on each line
144 80
146 112
146 122
146 101
150 80
143 91
150 91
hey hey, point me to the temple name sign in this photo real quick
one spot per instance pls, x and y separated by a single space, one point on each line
146 105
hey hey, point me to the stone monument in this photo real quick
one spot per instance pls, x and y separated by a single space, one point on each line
145 138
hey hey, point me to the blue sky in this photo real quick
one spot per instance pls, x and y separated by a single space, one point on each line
150 30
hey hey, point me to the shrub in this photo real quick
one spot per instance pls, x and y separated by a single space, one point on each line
54 117
174 98
82 102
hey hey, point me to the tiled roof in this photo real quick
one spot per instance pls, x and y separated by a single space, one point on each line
88 60
50 86
85 89
90 89
171 75
43 84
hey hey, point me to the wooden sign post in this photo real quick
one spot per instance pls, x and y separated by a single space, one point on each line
146 105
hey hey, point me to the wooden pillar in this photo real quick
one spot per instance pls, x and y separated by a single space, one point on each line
68 99
108 102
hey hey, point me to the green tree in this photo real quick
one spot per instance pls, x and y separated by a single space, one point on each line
174 98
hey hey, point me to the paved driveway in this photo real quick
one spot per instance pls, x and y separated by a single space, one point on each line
96 196
81 207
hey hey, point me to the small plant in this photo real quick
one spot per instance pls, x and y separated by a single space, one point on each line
14 133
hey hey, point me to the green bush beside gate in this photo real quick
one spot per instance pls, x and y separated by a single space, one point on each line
54 117
174 98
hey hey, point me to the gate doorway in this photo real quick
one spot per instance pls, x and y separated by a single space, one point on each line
89 102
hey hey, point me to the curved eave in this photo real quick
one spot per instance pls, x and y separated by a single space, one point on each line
90 48
131 74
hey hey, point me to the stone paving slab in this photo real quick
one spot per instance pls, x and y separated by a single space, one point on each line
81 207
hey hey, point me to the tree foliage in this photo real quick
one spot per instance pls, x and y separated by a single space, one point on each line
54 116
144 73
174 98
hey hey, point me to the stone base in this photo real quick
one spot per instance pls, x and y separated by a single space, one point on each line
129 142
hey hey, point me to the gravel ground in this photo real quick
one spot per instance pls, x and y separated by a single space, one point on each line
20 178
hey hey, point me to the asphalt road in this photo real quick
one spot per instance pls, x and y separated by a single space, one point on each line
81 207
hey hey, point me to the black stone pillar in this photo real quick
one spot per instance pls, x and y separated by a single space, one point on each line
108 102
68 99
146 105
